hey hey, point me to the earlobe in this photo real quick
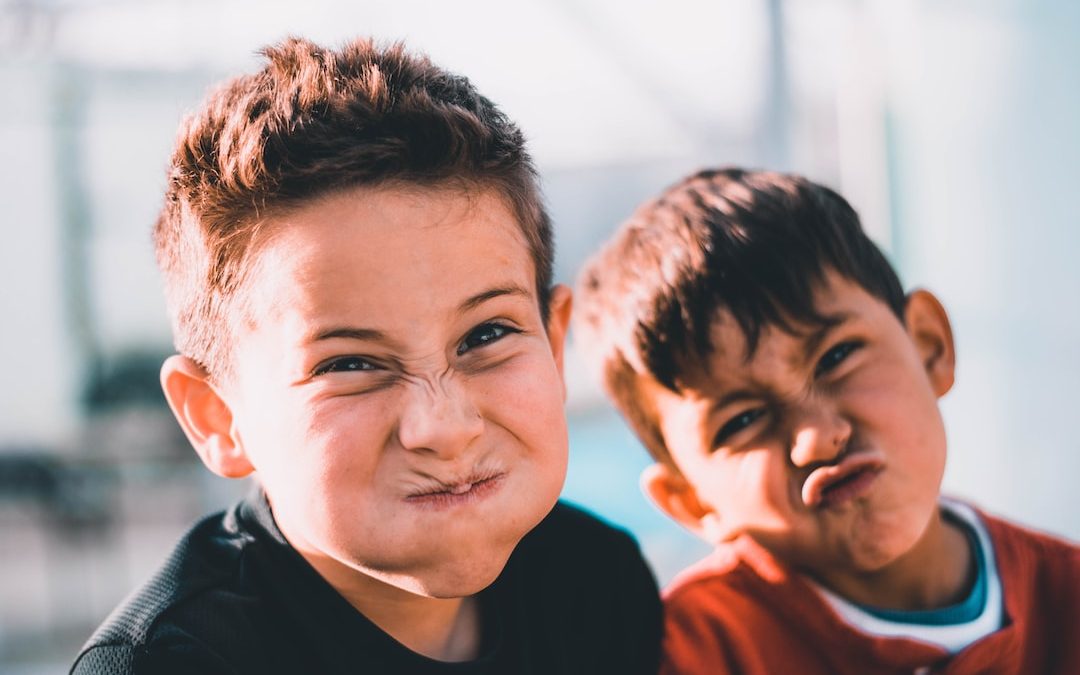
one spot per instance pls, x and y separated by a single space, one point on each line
559 306
675 496
204 416
928 325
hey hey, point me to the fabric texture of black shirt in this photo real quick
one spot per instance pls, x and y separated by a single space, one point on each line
575 597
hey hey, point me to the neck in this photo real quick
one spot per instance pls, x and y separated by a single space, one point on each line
936 572
445 629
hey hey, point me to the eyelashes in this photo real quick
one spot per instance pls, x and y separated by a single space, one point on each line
737 424
485 334
343 364
477 339
835 356
828 362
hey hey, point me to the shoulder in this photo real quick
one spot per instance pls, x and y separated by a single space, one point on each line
200 566
715 616
166 656
571 545
1047 565
582 586
729 571
98 659
1040 581
1020 547
571 524
1040 573
716 588
737 592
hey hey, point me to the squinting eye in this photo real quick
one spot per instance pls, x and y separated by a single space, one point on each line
484 334
737 424
835 356
345 364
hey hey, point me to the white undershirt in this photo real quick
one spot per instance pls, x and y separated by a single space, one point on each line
953 637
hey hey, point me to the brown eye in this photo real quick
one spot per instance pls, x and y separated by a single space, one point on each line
344 364
835 356
737 424
484 334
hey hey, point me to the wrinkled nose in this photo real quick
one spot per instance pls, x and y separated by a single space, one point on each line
438 417
820 435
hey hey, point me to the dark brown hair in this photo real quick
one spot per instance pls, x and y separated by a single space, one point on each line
313 121
756 244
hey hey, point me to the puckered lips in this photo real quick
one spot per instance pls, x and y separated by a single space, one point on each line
842 482
455 492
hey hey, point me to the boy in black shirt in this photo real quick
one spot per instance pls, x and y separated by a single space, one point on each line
358 270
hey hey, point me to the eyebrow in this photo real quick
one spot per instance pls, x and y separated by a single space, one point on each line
732 397
373 335
348 332
482 297
811 344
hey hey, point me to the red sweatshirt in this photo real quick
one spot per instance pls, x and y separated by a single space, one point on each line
742 611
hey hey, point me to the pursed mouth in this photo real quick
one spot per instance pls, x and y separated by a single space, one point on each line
441 492
840 483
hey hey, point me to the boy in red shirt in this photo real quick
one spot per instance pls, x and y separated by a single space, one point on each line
765 353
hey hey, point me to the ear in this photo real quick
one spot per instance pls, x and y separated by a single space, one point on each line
927 323
675 496
559 306
204 416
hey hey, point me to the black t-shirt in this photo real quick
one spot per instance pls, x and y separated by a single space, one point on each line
234 597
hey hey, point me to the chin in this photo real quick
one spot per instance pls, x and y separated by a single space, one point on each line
874 552
459 580
870 559
468 560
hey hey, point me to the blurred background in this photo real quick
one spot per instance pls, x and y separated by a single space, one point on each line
951 125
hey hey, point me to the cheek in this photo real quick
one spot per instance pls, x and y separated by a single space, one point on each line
926 447
347 435
895 399
899 414
764 482
328 452
525 397
749 486
335 470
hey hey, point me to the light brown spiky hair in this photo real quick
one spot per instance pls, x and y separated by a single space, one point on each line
312 121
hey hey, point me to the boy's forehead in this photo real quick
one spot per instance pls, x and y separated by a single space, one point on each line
393 216
726 361
733 356
376 244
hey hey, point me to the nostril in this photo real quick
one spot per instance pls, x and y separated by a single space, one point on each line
819 444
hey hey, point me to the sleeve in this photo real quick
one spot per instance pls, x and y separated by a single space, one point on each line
104 660
172 657
174 651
